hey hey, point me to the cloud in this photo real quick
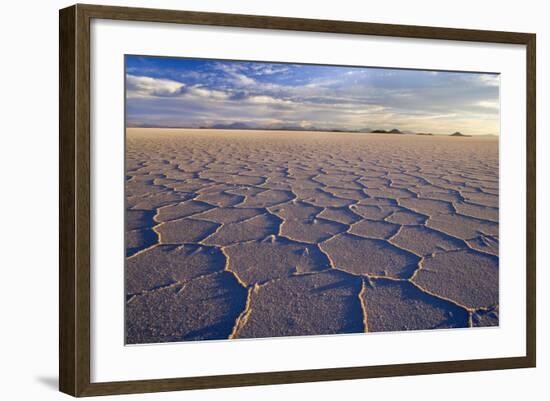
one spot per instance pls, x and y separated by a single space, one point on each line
488 104
488 79
190 92
270 70
147 87
262 99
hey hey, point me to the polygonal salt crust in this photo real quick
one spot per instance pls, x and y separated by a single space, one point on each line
368 256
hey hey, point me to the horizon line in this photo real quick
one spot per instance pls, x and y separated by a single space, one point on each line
296 129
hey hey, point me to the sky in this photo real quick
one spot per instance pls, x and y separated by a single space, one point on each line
180 92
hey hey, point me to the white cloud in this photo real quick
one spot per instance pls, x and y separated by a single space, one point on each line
488 104
207 93
260 69
488 79
146 86
261 99
428 102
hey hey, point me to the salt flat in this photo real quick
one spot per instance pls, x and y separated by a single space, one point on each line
244 234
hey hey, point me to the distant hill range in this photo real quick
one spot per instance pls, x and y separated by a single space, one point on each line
244 126
230 126
383 131
279 127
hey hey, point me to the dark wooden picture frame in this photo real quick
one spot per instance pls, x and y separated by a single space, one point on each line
74 199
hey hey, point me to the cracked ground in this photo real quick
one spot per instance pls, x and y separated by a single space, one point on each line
248 234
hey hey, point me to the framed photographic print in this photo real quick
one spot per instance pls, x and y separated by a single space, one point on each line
250 200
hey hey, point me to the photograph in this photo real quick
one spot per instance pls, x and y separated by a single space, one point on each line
275 199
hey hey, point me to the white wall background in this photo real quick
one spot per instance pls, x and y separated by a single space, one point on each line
28 171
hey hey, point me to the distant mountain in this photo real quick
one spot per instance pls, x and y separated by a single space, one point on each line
292 128
235 125
275 127
383 131
459 134
238 125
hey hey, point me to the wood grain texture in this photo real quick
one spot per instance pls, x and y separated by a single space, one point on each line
67 265
301 24
531 314
74 198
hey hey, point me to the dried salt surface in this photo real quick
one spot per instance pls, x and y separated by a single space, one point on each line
296 211
225 178
268 198
244 191
169 264
322 198
313 304
185 231
190 185
256 228
138 186
411 308
468 277
273 258
154 200
136 219
427 206
201 309
425 241
353 194
481 198
312 231
485 318
340 215
219 198
181 210
478 211
407 218
233 234
484 244
389 192
374 229
373 212
226 215
138 239
462 226
367 256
